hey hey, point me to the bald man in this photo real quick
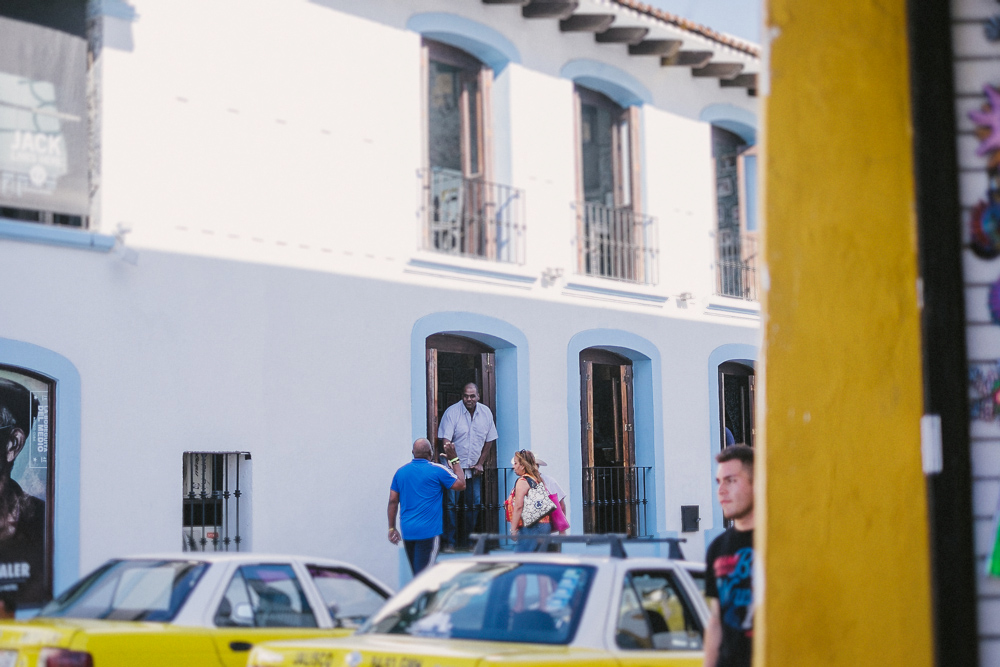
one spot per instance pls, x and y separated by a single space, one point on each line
418 489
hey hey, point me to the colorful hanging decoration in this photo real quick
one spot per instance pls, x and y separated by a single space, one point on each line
984 227
993 561
992 29
989 119
984 221
984 391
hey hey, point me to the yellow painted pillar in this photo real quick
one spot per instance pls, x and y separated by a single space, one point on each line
842 520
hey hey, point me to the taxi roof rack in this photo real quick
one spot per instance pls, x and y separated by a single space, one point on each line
616 541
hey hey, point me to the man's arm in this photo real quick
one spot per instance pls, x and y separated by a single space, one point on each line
456 466
446 429
483 456
391 511
713 634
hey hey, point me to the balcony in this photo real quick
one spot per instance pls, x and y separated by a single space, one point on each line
472 217
614 500
737 265
616 243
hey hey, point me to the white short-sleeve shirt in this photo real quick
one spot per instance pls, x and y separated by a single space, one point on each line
468 432
552 486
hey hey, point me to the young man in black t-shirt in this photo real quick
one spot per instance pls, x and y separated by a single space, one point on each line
729 565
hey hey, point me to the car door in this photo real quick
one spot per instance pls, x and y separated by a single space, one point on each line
657 622
262 602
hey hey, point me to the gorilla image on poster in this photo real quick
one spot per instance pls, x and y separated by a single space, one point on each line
24 466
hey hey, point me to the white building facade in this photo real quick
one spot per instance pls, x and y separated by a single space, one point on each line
310 221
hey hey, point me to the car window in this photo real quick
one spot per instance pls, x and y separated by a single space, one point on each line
673 623
349 599
130 590
265 596
633 624
514 602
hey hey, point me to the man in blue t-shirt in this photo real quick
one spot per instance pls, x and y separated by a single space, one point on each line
417 489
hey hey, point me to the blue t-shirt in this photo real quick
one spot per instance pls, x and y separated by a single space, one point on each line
421 485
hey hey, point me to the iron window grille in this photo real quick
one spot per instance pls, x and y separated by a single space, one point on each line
617 243
211 500
736 264
614 500
472 217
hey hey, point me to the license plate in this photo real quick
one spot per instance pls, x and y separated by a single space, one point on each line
8 658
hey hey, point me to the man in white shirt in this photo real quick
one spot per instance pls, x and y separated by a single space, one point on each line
469 426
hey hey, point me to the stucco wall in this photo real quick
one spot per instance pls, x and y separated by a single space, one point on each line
265 157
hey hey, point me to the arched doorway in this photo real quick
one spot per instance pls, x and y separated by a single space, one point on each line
613 486
737 389
453 362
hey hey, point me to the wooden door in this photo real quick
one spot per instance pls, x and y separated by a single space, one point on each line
736 402
610 499
432 395
587 432
628 449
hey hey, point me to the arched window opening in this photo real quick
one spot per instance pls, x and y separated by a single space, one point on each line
614 487
615 240
467 214
736 199
452 363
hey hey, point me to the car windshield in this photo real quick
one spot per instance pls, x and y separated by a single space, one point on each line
130 590
510 602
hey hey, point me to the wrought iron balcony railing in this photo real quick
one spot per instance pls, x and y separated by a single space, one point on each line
737 265
614 500
472 217
617 243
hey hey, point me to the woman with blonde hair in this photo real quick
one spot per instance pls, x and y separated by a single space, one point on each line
526 469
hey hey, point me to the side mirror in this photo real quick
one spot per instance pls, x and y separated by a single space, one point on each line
243 613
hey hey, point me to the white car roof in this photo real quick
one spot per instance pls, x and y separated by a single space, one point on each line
236 557
577 559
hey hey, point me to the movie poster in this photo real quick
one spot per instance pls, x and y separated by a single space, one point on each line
44 137
25 485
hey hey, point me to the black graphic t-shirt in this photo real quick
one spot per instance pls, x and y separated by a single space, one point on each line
728 578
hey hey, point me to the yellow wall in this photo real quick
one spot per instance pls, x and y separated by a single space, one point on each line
842 521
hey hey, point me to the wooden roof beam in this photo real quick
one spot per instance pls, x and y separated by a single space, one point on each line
741 81
632 35
549 9
655 47
587 23
687 59
719 70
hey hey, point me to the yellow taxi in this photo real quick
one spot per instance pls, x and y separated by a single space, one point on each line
524 608
205 610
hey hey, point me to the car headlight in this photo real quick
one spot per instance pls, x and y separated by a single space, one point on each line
262 657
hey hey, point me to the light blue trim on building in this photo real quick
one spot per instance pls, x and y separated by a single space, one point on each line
647 405
739 121
480 40
66 551
511 346
740 353
118 9
33 232
609 80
